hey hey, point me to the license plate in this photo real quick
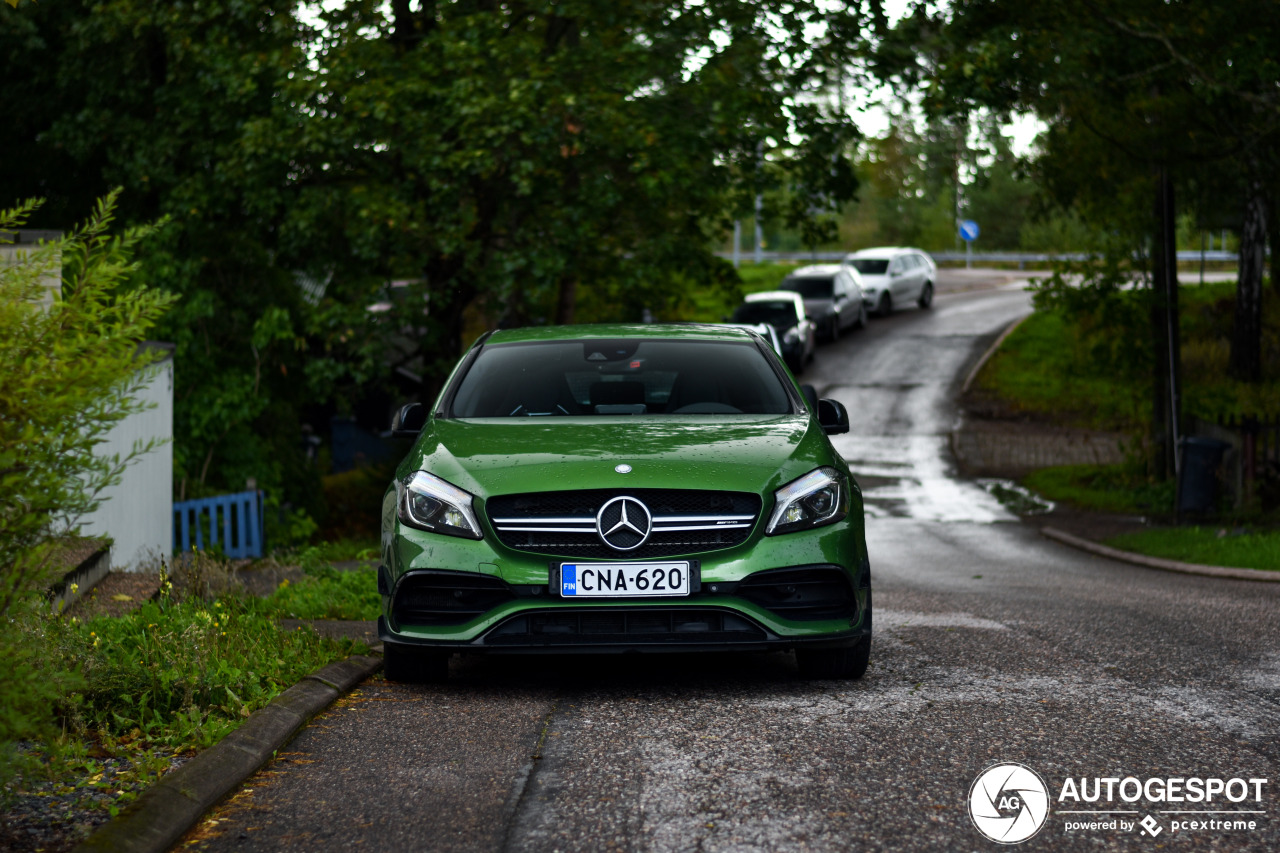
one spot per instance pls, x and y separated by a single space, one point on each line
623 580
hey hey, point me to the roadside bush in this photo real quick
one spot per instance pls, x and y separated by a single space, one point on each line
1124 488
180 675
354 502
326 593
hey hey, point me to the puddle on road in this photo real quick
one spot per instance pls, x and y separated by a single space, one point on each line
909 476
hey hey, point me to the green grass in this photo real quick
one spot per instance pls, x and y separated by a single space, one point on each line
342 550
1095 370
1104 488
1040 368
104 704
182 675
1213 546
327 594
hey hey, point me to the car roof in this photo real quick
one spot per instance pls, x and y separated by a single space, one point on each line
774 296
816 270
884 252
683 331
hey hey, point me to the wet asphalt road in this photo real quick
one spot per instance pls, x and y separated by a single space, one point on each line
991 645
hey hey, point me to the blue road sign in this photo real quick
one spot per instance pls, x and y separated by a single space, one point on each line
968 230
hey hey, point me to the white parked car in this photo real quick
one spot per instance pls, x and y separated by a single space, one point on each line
764 330
784 311
893 276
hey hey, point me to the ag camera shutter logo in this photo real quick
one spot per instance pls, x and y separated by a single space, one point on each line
1009 803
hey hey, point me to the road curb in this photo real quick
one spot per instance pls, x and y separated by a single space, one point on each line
991 350
1158 563
166 810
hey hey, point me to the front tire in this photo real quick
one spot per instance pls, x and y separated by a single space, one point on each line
926 295
833 333
408 665
850 662
885 306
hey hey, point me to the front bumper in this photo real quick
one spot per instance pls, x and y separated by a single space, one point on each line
815 606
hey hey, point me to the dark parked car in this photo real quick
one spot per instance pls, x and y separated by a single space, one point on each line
832 297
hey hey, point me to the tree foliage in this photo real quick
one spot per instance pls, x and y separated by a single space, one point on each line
69 368
502 163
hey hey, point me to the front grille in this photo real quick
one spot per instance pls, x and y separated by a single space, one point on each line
820 592
641 626
447 598
563 524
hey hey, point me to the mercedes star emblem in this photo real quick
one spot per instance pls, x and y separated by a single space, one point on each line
624 523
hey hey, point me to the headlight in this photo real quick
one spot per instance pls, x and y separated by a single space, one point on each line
792 335
429 503
819 497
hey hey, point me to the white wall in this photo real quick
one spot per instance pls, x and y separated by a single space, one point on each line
138 512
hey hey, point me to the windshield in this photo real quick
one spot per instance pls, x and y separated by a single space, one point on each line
870 266
810 287
780 315
620 377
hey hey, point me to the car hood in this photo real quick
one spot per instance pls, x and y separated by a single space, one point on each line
874 282
512 456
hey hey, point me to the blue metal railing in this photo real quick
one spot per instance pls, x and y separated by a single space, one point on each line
239 517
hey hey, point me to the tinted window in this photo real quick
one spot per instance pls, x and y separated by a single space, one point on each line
809 286
780 315
639 378
870 266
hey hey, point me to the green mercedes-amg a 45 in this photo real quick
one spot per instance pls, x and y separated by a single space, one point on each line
607 489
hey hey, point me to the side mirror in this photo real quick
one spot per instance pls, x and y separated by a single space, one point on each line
810 396
409 421
833 417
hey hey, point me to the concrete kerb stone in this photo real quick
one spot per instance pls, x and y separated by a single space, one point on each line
1157 562
991 350
166 810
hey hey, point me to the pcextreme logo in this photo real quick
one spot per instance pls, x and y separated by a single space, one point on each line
1010 803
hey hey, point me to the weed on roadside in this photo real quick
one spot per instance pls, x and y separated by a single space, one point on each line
140 691
1123 488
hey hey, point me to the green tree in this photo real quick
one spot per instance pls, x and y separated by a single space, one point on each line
517 157
1139 95
155 98
506 162
69 369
